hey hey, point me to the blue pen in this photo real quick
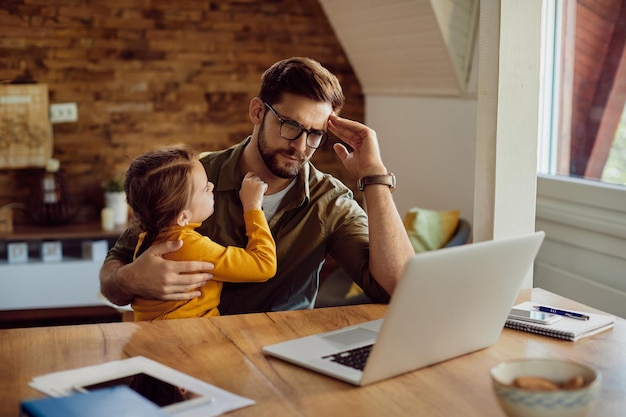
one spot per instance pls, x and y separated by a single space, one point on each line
565 313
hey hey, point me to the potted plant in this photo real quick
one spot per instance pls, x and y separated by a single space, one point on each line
115 199
113 185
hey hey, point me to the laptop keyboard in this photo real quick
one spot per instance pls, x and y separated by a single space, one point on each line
354 358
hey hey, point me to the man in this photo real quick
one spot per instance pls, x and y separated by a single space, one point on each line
311 214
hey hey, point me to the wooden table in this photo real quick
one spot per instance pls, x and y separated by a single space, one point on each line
226 351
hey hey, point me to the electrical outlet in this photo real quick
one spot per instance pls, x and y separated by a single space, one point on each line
63 112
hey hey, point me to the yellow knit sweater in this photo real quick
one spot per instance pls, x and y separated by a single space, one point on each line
255 263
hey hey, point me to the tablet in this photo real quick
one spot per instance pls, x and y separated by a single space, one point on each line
169 395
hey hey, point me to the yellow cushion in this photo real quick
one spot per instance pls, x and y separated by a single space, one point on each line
430 229
354 290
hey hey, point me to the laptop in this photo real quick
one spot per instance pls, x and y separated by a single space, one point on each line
449 302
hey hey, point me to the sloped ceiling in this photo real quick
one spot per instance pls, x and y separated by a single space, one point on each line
407 47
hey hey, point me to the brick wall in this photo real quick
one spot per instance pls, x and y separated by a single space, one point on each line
149 72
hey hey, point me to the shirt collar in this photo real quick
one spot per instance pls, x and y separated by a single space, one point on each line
229 178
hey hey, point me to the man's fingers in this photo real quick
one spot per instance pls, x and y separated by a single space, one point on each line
186 281
334 125
181 296
190 267
347 130
176 280
340 150
184 287
165 247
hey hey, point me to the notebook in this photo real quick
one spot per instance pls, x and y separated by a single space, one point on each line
114 401
566 328
449 302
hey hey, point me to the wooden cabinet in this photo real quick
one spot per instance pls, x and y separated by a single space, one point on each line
69 282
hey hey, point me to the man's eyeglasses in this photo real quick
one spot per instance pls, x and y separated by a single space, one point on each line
292 130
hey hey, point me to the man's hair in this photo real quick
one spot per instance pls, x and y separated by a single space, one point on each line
303 77
158 186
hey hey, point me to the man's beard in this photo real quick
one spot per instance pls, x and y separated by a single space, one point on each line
270 157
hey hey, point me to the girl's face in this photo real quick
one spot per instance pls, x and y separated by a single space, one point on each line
202 202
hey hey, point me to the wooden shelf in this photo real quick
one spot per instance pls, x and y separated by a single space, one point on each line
69 231
59 316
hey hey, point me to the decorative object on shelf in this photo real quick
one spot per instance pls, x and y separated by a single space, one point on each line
52 204
6 217
52 251
115 199
107 220
17 252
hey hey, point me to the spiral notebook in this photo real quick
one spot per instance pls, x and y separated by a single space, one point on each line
566 328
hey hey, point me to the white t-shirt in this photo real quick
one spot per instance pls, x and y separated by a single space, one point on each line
271 202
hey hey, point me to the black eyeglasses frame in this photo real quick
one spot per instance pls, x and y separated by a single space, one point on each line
282 121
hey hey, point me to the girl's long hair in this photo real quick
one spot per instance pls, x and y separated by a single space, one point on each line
158 187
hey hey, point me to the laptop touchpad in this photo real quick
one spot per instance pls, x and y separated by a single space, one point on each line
352 336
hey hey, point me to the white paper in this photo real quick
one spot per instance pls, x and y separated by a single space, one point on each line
219 401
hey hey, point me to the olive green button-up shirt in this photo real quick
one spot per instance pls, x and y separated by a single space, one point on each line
316 218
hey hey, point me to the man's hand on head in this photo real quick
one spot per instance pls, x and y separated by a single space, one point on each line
364 159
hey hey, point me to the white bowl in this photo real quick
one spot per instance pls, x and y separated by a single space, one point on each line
519 402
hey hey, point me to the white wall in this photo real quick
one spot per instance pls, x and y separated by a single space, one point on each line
429 143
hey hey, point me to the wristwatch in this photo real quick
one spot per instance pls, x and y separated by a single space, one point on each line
389 180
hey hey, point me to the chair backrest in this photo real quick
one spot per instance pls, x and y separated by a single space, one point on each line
461 234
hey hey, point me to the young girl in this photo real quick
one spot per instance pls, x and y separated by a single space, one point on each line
170 195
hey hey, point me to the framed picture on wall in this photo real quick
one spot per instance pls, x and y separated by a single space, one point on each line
25 130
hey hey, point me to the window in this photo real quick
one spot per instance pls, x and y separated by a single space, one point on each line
615 167
583 129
